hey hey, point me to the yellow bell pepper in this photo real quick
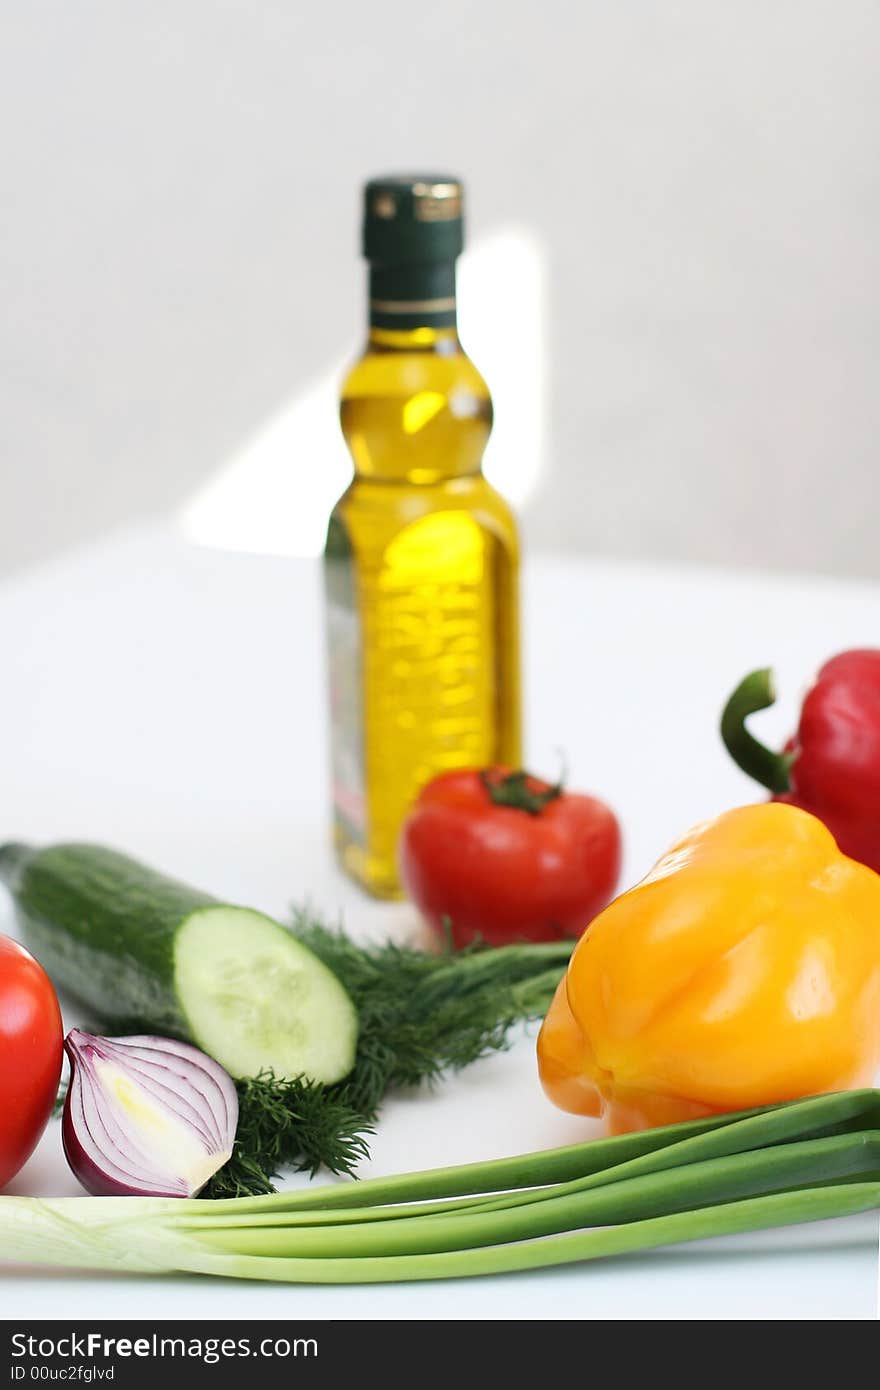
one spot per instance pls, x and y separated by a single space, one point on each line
745 969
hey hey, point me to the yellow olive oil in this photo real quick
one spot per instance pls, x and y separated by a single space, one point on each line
421 558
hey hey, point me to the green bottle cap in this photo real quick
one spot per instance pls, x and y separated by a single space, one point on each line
413 219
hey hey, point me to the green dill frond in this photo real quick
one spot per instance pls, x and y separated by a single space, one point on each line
58 1102
289 1123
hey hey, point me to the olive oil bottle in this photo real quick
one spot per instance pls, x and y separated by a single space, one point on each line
421 558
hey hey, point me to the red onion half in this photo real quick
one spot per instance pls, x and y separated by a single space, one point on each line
145 1116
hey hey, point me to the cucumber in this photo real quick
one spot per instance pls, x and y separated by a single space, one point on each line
133 945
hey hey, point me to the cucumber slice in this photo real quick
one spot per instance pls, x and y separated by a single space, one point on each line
254 997
150 955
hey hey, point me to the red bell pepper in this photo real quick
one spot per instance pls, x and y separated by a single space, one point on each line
831 767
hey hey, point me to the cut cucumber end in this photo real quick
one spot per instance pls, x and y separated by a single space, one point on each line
255 998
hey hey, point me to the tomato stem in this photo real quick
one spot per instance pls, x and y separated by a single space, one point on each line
519 790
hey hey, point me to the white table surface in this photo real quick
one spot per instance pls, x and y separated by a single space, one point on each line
169 700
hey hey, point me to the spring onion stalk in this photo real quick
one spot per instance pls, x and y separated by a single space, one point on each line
816 1163
815 1117
147 1242
787 1164
503 1183
807 1204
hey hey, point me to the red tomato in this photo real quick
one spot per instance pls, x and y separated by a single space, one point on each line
31 1036
506 857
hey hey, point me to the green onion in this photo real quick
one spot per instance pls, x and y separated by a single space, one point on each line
803 1161
815 1117
816 1163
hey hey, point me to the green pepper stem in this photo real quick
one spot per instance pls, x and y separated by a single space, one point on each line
754 693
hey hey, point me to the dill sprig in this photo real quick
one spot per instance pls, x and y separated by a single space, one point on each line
58 1102
283 1123
420 1016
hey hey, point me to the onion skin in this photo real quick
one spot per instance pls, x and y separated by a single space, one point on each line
175 1086
84 1169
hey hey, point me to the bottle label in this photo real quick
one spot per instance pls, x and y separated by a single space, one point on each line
345 662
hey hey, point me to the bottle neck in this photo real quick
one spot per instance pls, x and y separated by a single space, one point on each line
414 408
408 298
444 342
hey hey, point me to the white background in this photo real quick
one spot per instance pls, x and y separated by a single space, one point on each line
178 252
